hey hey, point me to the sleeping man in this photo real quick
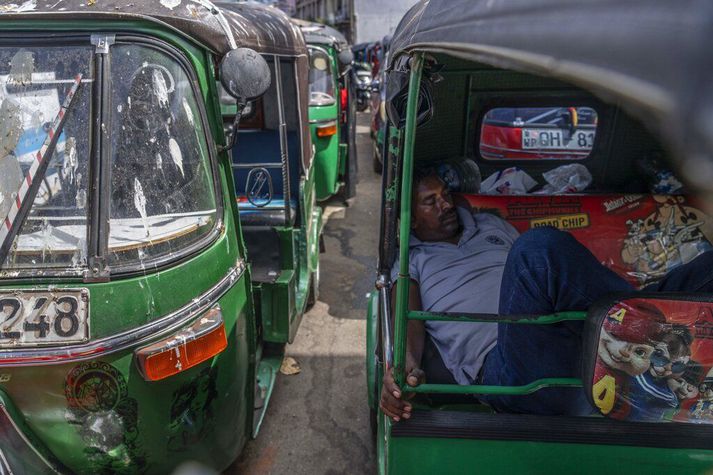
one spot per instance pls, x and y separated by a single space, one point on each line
466 262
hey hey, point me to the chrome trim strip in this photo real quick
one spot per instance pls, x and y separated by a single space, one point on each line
387 331
322 121
128 338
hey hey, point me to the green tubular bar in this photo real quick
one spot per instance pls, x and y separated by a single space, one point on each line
405 228
502 390
402 314
534 320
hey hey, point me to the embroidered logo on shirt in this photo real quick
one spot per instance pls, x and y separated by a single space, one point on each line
495 240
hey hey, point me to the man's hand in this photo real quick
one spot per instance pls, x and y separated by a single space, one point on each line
393 401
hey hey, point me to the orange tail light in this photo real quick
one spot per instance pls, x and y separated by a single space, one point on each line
327 130
184 349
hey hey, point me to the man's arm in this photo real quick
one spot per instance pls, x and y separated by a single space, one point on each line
392 400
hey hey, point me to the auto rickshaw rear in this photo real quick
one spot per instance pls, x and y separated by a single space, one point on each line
332 110
274 172
458 71
127 336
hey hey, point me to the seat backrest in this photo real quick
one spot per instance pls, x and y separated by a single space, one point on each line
640 237
650 357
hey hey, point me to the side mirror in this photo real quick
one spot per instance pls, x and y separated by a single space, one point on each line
346 57
244 74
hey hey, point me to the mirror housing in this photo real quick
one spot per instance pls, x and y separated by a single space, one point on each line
346 57
244 74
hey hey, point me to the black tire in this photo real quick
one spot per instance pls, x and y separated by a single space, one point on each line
313 294
376 162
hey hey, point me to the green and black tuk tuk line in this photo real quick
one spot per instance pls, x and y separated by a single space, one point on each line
275 172
455 65
131 338
332 110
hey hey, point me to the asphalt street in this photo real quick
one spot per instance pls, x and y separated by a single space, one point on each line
317 421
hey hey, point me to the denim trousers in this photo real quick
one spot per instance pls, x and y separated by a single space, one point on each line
549 271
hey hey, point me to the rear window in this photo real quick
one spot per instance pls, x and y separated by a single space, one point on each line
541 133
321 83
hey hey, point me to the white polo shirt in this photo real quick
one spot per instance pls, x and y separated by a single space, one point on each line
463 277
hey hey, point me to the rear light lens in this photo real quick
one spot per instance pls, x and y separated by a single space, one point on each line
343 98
327 130
184 349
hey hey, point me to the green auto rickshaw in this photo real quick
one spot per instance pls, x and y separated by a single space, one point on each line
332 110
131 339
275 170
579 128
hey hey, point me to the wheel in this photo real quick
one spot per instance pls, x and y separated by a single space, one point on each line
376 163
313 295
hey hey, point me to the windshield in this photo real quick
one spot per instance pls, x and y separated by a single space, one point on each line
33 86
321 83
162 197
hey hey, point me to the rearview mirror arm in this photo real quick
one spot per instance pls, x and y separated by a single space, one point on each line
232 140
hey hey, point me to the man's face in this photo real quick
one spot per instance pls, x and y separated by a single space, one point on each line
433 216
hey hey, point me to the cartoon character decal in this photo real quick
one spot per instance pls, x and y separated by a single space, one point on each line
626 344
651 360
672 235
640 237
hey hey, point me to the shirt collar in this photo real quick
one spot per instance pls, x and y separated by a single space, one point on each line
470 229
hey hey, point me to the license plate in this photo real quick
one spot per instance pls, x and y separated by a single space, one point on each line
554 139
37 317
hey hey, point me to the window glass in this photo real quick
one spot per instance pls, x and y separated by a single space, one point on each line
34 82
162 196
321 83
544 133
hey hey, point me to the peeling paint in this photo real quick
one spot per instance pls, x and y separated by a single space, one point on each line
28 6
170 4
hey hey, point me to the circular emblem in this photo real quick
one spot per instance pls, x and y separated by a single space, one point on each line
95 386
495 240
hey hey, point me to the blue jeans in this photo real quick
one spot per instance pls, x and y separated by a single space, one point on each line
548 271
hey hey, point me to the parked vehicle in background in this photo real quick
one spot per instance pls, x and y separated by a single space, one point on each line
562 133
131 336
275 185
457 83
332 110
378 129
364 79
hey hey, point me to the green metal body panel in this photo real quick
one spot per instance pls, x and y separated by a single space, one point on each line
328 159
100 415
414 455
372 328
283 302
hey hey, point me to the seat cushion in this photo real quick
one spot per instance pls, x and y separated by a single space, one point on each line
640 237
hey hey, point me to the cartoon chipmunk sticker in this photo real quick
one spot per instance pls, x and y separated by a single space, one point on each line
672 235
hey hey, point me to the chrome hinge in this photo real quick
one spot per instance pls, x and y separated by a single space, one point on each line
102 43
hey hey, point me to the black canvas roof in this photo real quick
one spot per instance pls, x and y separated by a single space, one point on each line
650 56
317 33
218 26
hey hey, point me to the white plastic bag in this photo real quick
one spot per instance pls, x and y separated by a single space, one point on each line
511 181
566 179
